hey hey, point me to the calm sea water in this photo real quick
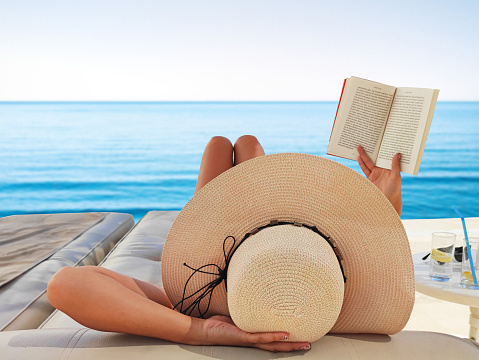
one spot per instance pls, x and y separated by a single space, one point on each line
136 157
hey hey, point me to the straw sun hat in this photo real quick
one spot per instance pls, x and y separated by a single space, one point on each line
291 242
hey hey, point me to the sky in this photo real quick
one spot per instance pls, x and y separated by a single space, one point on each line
221 50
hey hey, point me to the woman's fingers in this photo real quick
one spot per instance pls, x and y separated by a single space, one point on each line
271 342
263 338
365 158
222 331
396 166
363 167
284 346
369 163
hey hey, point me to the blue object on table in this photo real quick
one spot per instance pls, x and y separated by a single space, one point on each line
468 247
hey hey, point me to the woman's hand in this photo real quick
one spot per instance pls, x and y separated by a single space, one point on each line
220 330
388 181
101 299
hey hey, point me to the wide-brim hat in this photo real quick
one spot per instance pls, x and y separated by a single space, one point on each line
291 242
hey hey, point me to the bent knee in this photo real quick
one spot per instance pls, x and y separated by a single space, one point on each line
56 285
61 283
247 140
220 141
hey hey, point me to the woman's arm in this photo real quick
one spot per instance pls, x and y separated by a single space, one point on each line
104 300
388 181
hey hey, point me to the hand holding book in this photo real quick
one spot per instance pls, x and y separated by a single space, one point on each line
388 181
384 120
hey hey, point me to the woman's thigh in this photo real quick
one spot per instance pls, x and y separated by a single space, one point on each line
217 158
247 147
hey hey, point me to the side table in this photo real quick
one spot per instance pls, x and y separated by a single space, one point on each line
448 290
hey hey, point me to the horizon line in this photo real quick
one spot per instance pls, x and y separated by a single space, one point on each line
188 101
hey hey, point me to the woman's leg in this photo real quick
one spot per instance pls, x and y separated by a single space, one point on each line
247 147
217 158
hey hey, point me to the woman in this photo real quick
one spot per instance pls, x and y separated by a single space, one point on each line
104 300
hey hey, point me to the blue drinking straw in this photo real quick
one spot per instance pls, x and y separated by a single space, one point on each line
469 254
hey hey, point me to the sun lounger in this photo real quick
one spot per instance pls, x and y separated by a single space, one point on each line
34 247
138 254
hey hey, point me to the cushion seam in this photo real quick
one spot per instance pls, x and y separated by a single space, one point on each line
68 343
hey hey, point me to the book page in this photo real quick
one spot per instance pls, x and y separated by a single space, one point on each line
361 118
406 127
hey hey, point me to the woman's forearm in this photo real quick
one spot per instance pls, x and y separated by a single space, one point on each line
104 300
101 302
397 204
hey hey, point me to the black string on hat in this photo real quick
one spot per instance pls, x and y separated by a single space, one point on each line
206 291
208 288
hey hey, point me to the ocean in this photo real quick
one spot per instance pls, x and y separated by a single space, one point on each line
136 157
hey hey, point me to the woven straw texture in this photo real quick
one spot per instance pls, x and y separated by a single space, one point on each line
273 283
379 292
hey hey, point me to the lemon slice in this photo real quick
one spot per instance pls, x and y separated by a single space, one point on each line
440 256
467 275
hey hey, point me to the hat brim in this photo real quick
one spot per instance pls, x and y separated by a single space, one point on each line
342 204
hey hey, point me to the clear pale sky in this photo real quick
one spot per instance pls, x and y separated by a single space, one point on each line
233 50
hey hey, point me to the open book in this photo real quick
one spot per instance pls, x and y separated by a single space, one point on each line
384 120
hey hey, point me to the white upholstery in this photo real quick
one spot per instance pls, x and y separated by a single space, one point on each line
85 343
138 255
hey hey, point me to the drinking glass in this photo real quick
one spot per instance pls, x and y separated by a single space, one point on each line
467 278
442 256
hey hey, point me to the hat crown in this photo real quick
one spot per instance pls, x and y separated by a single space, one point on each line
285 278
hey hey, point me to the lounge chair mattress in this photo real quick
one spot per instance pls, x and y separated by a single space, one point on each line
23 300
139 255
26 240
